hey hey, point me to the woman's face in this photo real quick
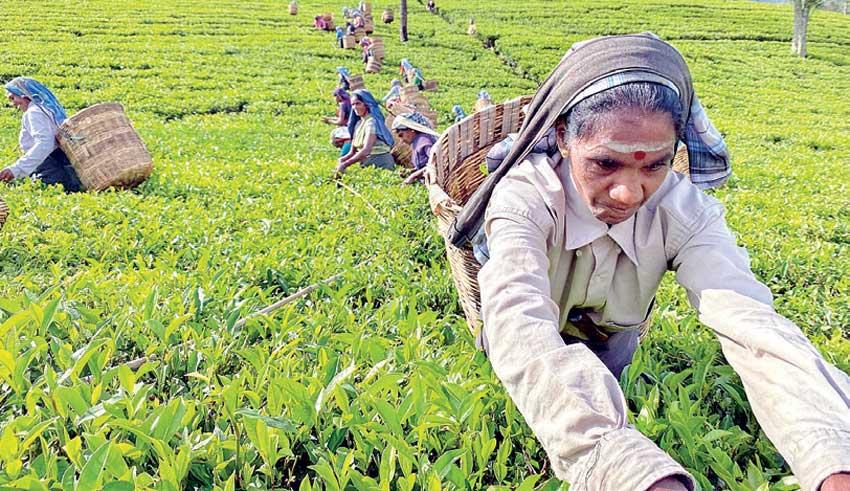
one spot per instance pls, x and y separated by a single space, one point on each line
360 108
622 163
406 135
21 103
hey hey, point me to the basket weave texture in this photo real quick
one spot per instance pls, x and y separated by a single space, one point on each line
104 148
377 48
681 164
455 171
348 41
373 65
355 82
4 213
387 16
293 8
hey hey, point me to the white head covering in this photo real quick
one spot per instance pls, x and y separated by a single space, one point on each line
414 121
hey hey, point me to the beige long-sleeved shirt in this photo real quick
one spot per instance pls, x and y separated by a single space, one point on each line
548 254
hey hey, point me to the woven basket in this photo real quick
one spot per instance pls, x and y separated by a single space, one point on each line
387 17
355 82
359 34
369 26
430 85
104 148
328 17
431 115
377 48
681 164
4 213
348 42
293 8
454 173
403 154
373 65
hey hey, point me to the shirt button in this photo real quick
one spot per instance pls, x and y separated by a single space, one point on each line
578 253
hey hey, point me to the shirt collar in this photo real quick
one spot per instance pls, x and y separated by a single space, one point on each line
583 228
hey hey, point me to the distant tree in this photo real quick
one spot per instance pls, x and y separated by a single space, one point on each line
403 20
802 10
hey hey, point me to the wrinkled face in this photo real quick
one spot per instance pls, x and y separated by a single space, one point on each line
359 107
406 135
21 103
622 163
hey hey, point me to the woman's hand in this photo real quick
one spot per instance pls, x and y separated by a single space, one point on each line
416 176
6 175
836 482
342 164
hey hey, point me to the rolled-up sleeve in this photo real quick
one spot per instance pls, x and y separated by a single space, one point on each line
566 394
801 402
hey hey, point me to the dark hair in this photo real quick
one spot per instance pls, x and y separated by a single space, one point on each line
647 97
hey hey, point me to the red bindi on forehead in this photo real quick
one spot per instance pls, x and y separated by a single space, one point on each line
640 155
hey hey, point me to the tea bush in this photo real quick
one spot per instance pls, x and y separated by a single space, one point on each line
371 381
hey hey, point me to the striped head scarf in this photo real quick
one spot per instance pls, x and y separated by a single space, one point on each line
40 95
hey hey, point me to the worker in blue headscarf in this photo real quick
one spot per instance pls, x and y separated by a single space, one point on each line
394 94
344 75
371 140
42 158
458 112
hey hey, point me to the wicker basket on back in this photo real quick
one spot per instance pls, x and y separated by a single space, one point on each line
681 164
377 49
457 168
104 148
4 213
387 17
355 82
373 65
293 8
454 173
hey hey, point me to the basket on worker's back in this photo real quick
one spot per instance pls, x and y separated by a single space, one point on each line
4 213
373 65
104 148
387 16
681 164
355 82
455 171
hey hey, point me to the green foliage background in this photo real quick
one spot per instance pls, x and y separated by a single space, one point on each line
371 382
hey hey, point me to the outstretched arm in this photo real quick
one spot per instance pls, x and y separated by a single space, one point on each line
801 401
566 394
